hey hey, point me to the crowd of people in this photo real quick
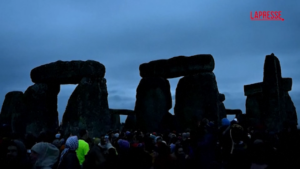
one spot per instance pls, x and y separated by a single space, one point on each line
203 146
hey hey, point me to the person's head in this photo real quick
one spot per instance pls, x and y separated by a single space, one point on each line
158 139
33 156
72 143
58 135
96 141
179 151
237 133
44 154
83 134
16 150
12 152
163 149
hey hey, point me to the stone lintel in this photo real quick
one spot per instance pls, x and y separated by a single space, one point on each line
258 87
122 112
253 88
234 112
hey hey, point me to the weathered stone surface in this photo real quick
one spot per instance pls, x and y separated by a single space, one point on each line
254 109
41 101
13 112
88 108
153 101
197 97
115 122
258 87
178 66
272 106
64 72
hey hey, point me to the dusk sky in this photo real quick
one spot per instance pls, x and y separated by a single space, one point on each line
124 34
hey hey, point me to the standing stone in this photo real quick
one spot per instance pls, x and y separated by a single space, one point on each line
254 109
178 66
115 122
41 100
130 122
269 102
88 108
168 122
14 111
289 107
197 97
222 109
153 101
63 72
275 114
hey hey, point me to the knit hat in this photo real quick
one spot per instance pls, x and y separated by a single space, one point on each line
225 122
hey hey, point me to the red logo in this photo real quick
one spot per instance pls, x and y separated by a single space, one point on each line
266 16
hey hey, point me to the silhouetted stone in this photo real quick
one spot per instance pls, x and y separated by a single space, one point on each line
178 66
153 101
271 104
234 111
254 109
88 108
167 122
64 72
115 122
253 89
13 112
197 97
116 116
221 97
222 111
287 84
122 112
258 87
130 122
41 101
289 107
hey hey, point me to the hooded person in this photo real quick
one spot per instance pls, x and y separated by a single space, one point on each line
68 158
44 155
106 146
16 156
239 152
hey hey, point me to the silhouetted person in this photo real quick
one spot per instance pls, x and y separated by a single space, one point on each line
83 146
